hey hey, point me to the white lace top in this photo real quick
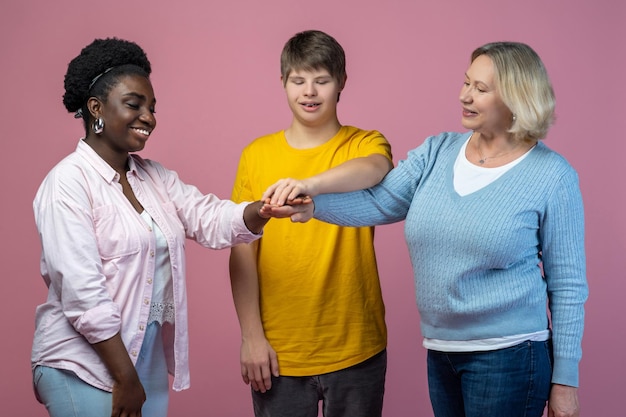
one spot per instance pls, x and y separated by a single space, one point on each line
162 306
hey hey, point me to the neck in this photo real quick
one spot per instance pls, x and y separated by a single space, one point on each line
303 137
117 160
497 150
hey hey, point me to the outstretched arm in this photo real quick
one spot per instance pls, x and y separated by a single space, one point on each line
355 174
254 218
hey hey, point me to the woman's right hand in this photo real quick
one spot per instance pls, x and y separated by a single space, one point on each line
128 393
128 398
300 210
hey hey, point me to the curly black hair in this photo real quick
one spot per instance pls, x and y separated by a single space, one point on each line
97 69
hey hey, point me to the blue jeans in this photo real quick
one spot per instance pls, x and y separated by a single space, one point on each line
512 382
66 395
356 391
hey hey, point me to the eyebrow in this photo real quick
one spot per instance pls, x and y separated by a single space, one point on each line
477 81
139 96
319 77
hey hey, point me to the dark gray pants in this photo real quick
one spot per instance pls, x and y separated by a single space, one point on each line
352 392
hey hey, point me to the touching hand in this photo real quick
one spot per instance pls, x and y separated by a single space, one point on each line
285 191
300 210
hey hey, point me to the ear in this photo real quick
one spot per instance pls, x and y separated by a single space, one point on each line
95 107
343 84
282 81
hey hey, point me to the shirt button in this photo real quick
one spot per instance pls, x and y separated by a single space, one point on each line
152 253
141 327
149 280
134 353
146 301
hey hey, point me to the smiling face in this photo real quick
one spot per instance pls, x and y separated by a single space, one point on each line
128 115
312 96
483 108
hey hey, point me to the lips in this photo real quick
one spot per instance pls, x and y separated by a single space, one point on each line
310 106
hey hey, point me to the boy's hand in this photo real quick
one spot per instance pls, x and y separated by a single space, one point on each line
258 364
287 190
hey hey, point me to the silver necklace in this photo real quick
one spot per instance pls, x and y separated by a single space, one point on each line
484 158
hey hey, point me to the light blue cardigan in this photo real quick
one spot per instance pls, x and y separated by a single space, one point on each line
478 259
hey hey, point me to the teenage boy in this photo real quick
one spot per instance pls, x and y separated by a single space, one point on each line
308 295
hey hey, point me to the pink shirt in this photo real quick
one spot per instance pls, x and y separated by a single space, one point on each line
98 259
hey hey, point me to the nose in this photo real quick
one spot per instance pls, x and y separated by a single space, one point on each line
147 117
465 96
309 89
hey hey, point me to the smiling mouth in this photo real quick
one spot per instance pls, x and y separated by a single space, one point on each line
310 105
144 132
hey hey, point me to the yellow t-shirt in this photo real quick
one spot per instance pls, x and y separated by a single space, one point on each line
321 302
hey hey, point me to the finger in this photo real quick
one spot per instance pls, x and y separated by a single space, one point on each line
267 378
281 212
295 193
268 193
276 197
274 365
258 380
282 192
300 199
244 374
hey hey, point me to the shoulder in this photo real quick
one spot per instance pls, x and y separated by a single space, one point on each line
155 171
363 138
552 163
545 154
442 143
355 133
271 139
146 164
69 181
70 169
447 139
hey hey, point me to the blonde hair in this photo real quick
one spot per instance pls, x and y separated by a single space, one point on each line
523 83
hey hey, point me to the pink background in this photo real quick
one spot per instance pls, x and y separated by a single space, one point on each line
216 77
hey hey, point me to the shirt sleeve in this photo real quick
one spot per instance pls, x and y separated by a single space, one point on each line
242 191
70 263
207 219
563 258
386 202
373 142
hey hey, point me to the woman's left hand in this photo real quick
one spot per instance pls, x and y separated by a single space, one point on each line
563 401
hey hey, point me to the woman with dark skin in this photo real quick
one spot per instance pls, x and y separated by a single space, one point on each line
112 227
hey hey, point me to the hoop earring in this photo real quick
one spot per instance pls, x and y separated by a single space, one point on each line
98 125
